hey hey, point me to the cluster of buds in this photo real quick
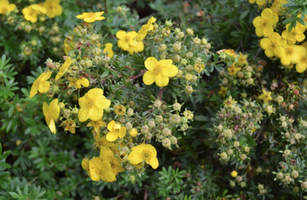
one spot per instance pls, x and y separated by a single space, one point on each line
236 125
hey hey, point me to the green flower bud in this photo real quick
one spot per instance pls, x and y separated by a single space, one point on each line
190 31
166 132
166 142
162 47
294 174
176 106
188 89
223 155
279 175
159 119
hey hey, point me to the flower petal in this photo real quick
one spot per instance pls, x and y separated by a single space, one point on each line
153 162
170 70
134 157
161 80
149 78
112 136
150 63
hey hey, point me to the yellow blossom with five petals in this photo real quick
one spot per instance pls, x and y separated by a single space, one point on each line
127 42
30 13
273 45
115 131
92 105
91 17
101 170
264 23
265 96
159 71
41 84
144 152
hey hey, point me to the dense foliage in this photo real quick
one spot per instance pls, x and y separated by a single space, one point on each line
153 99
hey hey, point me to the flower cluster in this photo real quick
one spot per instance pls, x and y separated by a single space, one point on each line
97 77
287 45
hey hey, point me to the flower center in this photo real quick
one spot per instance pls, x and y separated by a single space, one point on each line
265 22
91 15
274 45
157 69
127 38
289 51
145 155
90 102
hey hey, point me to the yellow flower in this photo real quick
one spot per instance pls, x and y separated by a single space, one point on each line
101 170
77 82
96 125
234 174
63 68
296 34
272 45
119 110
5 6
259 2
223 91
51 113
230 102
199 67
107 154
289 54
302 63
145 28
115 131
30 13
233 69
264 23
144 152
108 50
265 96
92 105
242 60
91 17
127 42
69 125
159 71
229 52
53 8
41 84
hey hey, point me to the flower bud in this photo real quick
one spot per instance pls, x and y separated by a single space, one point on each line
204 41
130 112
173 140
246 149
188 77
166 132
180 35
162 47
304 185
243 156
128 126
188 89
260 187
176 58
294 174
66 113
166 32
159 119
223 155
168 23
166 142
239 178
190 31
176 106
189 55
133 132
119 9
196 40
189 68
148 136
179 74
229 151
75 111
157 103
232 183
243 184
144 129
279 175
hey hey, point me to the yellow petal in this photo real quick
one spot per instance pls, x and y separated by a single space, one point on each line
170 70
121 34
161 80
52 127
112 136
83 114
149 78
122 132
153 162
150 63
134 157
111 125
